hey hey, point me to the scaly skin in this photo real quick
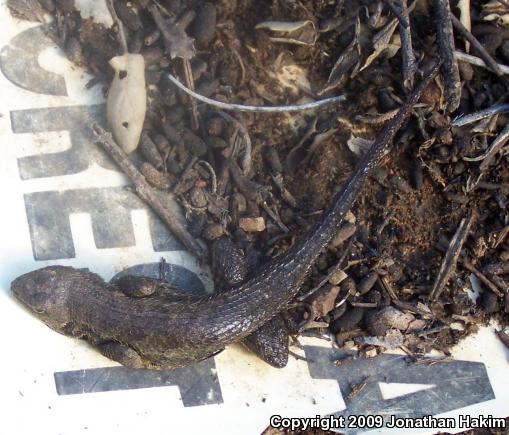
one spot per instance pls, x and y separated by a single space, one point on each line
168 332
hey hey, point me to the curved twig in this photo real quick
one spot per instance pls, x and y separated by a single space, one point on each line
262 109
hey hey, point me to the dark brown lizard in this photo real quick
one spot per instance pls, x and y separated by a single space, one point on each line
168 330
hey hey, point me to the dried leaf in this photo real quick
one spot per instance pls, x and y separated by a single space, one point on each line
127 100
290 75
500 19
283 26
381 41
176 40
392 340
381 321
346 61
495 11
359 145
324 300
297 32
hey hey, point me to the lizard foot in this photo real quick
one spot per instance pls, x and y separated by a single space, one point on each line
270 342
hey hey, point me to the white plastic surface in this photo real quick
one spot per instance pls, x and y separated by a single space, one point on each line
250 391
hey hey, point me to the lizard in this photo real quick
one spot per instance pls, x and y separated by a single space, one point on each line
169 330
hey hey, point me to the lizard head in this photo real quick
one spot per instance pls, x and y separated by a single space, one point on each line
45 293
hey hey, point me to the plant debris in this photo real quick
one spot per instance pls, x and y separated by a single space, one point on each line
253 114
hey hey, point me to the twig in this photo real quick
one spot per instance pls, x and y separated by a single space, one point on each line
146 193
451 257
482 114
185 172
471 268
384 283
477 45
188 74
445 39
407 306
320 284
121 34
459 55
495 147
213 175
247 160
264 109
397 13
409 64
465 18
434 330
299 357
275 217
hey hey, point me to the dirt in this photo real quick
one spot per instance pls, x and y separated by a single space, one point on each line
410 209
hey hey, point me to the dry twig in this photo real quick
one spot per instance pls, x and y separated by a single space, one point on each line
146 193
264 109
445 39
409 64
477 45
451 257
474 60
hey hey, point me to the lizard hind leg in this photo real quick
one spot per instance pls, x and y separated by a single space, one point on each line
270 342
122 354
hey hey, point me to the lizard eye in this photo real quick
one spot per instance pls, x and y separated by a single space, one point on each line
39 299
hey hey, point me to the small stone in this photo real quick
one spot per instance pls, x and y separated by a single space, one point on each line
350 217
204 25
417 325
367 282
504 255
252 225
457 326
323 300
431 94
273 160
216 142
349 320
466 71
489 301
194 143
349 345
459 168
198 197
158 179
379 322
344 233
150 151
213 231
337 276
175 114
371 353
215 126
400 184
